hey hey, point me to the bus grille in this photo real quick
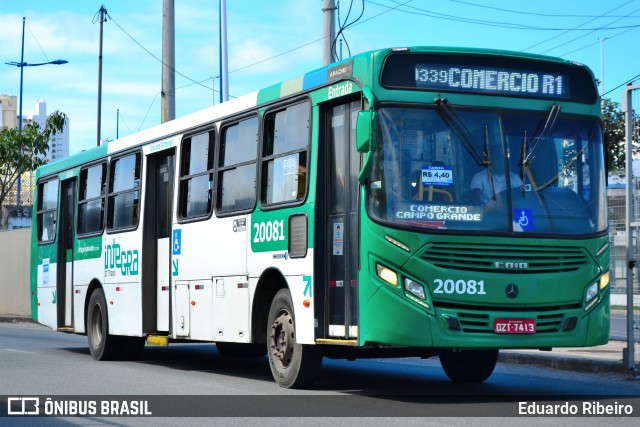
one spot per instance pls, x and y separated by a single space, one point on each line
482 258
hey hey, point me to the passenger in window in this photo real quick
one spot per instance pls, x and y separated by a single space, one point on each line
302 180
481 191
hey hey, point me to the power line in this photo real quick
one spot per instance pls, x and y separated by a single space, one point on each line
547 15
37 42
390 9
631 80
155 57
585 23
180 87
596 42
343 26
496 24
584 35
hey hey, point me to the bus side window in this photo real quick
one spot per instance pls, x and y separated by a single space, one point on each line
236 184
284 163
196 176
91 199
47 210
124 192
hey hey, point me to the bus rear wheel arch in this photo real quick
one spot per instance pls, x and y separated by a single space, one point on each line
293 365
468 366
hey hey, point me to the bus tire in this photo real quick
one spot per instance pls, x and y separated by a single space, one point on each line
101 345
232 350
468 366
293 365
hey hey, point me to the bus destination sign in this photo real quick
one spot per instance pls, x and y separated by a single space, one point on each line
495 80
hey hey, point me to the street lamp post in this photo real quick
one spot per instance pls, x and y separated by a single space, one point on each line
23 64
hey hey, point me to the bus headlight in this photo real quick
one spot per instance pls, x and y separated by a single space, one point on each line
414 288
388 275
592 292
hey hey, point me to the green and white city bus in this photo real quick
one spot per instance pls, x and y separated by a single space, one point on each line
418 201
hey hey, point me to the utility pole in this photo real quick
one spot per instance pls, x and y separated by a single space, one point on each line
18 181
628 358
168 63
328 30
602 39
224 71
102 19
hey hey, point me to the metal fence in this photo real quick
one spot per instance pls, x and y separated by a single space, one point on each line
616 206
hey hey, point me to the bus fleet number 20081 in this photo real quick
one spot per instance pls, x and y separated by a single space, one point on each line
269 231
460 287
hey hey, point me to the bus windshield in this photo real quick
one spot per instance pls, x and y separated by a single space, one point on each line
440 168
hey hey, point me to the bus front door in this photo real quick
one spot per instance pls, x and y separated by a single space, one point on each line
340 254
64 277
156 258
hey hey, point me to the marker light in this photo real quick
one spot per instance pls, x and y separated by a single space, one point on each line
397 243
604 280
414 288
387 275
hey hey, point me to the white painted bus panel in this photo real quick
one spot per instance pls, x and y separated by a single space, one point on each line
162 285
200 310
231 315
181 320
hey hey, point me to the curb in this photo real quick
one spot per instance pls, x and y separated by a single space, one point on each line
565 363
16 319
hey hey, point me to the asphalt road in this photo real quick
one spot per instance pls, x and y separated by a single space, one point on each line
619 327
35 361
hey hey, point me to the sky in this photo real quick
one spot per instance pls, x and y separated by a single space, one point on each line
269 42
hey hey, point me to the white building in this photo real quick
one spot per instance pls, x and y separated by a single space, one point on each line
59 143
8 116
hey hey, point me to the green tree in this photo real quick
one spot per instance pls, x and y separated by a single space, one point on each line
613 129
25 151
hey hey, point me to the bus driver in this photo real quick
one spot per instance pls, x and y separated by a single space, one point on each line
481 188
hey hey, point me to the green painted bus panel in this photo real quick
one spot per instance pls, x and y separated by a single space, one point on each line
64 169
389 319
270 229
88 248
74 161
42 252
592 329
542 293
272 93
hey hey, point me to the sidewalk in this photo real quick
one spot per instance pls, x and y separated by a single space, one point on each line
604 358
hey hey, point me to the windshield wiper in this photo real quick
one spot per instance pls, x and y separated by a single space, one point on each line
459 128
487 157
523 159
549 124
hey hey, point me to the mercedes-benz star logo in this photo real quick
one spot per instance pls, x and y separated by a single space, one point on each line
512 290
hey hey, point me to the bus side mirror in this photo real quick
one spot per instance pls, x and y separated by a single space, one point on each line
366 140
366 131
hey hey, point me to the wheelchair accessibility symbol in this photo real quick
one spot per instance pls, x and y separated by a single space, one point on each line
176 242
523 219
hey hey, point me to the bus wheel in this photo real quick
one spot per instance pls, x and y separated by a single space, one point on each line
468 366
102 345
232 350
293 365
